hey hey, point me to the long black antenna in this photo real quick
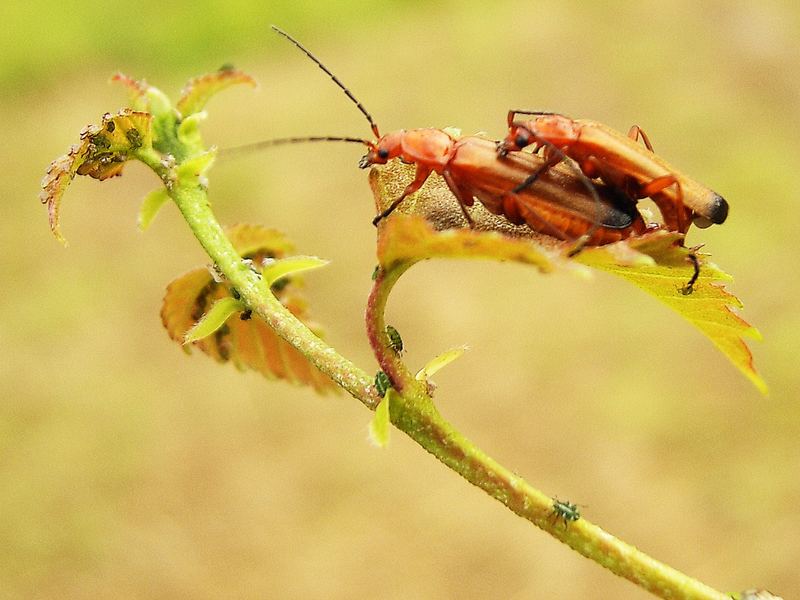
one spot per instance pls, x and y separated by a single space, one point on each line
255 146
335 80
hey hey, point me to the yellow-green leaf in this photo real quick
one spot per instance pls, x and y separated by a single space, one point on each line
709 307
282 267
143 96
440 361
151 204
215 318
137 91
189 129
381 424
194 169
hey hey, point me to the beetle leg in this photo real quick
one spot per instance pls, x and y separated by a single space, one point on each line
552 156
463 195
635 133
419 178
676 215
689 287
515 112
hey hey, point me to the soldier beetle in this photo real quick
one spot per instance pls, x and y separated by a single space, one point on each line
566 204
620 162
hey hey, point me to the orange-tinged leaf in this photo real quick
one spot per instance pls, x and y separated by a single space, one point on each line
137 90
143 96
101 154
257 242
244 339
408 239
199 90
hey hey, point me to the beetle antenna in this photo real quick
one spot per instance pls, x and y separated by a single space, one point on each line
256 146
333 77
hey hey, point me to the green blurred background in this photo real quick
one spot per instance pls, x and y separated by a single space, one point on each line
128 470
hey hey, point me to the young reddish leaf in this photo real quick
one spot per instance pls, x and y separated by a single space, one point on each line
199 90
101 154
654 262
244 339
137 91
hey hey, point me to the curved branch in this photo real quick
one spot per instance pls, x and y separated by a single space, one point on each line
413 412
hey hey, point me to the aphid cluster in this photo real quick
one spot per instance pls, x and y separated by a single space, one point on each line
581 184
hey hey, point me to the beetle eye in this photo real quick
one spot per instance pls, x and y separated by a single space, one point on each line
521 140
383 153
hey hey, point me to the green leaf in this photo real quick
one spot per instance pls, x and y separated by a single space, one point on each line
151 204
101 154
280 268
193 170
380 426
189 129
215 318
199 90
440 361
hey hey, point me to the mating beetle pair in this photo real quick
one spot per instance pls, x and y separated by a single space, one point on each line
593 203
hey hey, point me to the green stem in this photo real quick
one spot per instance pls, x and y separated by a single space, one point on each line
193 204
414 413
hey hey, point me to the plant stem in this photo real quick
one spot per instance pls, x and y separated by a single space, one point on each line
413 412
193 204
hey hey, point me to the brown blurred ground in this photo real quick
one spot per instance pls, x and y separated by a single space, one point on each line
128 470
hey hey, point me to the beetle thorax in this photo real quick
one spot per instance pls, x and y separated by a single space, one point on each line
430 147
556 129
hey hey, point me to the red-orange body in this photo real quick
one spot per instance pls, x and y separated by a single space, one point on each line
620 162
560 205
566 204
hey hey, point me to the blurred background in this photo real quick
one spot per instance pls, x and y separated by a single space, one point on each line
129 470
